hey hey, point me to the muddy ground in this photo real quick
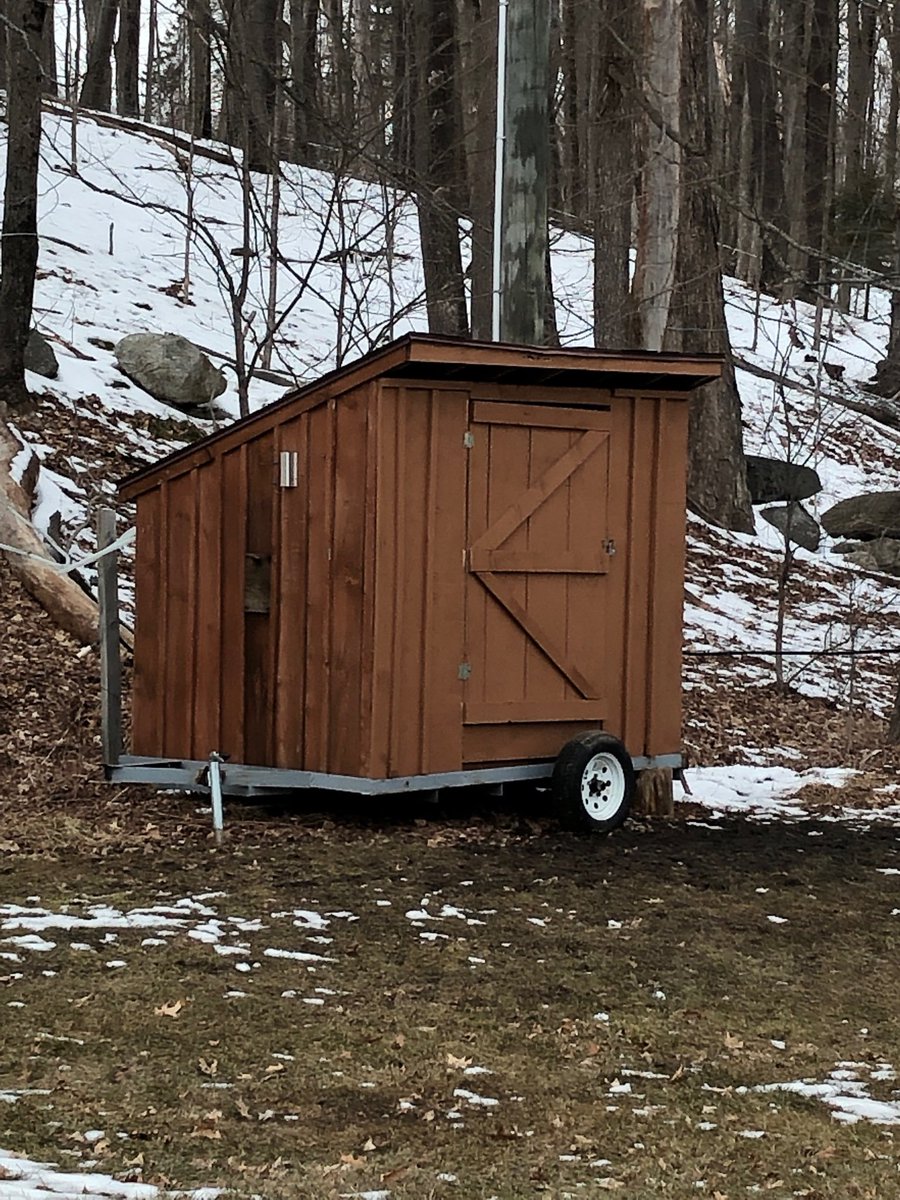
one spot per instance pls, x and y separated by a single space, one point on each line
494 1007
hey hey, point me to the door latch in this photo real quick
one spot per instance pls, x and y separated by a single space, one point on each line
609 546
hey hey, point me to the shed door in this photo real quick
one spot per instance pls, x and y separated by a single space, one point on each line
538 554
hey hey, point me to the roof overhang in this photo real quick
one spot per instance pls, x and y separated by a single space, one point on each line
427 356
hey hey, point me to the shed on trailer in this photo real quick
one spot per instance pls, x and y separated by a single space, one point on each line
444 561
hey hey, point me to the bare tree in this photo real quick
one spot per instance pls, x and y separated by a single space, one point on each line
613 161
96 88
127 58
28 557
717 474
200 34
19 245
437 121
661 172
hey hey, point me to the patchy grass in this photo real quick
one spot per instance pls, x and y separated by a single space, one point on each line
624 997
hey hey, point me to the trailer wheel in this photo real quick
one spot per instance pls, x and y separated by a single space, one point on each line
593 783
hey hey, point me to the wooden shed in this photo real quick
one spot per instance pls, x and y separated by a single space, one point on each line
448 557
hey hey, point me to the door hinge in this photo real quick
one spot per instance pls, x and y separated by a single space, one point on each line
465 670
468 439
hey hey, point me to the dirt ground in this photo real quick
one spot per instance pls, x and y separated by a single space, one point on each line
494 1008
455 1001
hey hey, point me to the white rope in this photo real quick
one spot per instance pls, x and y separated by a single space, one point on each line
64 568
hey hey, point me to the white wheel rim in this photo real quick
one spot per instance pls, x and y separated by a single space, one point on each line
602 787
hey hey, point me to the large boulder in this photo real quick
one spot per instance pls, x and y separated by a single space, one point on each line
170 368
795 523
865 518
39 356
882 555
772 479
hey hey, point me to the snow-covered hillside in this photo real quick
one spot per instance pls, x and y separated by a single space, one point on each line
112 261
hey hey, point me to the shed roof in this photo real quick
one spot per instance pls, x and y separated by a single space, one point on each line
418 355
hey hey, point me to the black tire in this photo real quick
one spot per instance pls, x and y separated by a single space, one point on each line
608 789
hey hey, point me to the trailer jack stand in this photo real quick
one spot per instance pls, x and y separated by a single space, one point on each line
214 774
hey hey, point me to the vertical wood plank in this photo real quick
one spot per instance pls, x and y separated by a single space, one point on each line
444 631
413 463
549 598
666 593
368 600
636 619
477 599
257 625
385 551
621 449
233 533
208 621
320 499
347 575
146 696
180 594
110 657
291 625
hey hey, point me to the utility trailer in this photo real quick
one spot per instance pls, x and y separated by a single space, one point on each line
449 563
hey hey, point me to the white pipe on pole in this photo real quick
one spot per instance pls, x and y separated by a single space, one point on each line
499 152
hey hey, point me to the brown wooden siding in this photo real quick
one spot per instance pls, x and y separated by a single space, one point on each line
440 592
667 587
147 732
417 693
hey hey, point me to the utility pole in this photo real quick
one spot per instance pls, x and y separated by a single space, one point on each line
523 147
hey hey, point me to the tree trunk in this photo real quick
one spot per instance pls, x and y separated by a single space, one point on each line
48 53
200 32
262 60
793 90
571 151
479 97
762 259
660 182
152 43
614 133
717 472
341 66
304 74
96 88
821 80
523 279
887 371
4 18
438 150
19 243
253 54
861 42
892 34
127 58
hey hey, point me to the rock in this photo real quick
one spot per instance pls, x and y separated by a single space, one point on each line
170 368
881 555
886 381
846 547
39 356
804 529
771 479
865 517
